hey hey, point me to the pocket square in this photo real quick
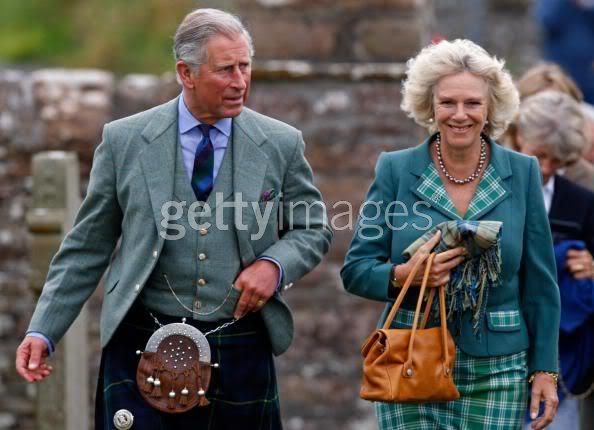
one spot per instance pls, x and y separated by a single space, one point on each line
268 195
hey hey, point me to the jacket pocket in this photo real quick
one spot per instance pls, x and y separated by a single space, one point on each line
504 320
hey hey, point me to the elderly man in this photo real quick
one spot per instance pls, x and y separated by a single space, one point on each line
217 213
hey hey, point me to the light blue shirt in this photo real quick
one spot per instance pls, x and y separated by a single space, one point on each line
190 138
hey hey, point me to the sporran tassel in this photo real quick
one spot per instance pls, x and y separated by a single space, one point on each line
171 400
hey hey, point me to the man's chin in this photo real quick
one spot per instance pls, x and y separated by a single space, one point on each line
233 111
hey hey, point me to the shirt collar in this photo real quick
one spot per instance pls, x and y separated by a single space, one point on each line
549 187
187 121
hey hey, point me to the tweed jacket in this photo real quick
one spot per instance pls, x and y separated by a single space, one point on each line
133 177
523 311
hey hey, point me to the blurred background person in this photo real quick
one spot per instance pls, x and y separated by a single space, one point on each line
551 127
549 76
568 36
504 310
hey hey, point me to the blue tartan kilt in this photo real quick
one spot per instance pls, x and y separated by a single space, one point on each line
242 393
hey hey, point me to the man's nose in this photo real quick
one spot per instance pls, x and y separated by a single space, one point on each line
239 80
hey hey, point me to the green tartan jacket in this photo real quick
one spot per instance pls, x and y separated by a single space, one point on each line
407 198
133 177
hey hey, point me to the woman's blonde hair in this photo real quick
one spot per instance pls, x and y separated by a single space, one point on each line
547 76
554 119
447 58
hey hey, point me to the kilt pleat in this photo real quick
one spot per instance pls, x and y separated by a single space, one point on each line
243 390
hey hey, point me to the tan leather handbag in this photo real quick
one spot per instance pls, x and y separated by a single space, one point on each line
411 365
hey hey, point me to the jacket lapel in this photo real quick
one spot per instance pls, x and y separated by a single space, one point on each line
492 190
158 157
249 170
494 187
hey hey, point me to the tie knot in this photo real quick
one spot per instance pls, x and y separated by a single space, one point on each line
205 129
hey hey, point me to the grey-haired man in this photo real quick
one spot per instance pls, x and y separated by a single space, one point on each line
153 177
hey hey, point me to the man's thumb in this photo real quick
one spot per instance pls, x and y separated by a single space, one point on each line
35 357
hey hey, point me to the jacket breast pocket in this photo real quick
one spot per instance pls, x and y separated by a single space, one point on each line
504 320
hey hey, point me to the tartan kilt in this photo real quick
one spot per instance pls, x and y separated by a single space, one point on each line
493 395
242 392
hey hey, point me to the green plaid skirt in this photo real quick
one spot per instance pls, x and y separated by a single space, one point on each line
493 395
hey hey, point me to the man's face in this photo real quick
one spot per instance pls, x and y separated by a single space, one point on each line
221 86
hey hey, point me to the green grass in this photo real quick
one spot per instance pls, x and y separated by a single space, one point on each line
125 36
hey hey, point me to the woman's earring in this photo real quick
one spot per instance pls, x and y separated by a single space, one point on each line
431 120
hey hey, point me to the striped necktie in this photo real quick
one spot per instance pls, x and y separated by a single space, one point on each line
202 174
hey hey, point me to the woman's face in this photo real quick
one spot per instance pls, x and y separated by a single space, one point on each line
548 162
461 105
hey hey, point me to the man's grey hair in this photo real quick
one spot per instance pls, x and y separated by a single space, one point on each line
554 119
194 32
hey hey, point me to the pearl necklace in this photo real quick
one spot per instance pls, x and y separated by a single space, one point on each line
474 175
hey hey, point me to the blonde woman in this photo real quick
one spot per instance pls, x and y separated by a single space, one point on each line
505 319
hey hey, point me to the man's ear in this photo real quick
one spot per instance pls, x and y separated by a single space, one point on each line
184 74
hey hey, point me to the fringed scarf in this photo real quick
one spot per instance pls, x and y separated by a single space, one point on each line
470 281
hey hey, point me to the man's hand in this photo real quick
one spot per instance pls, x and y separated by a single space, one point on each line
30 359
543 389
257 284
579 263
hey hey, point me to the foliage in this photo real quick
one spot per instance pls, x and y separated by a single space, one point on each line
123 36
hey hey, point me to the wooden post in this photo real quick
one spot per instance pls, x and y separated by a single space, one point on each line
62 400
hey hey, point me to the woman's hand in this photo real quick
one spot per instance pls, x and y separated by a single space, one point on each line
440 270
579 263
543 389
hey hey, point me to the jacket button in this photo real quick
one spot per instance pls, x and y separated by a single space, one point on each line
201 256
137 287
155 254
197 304
201 282
203 232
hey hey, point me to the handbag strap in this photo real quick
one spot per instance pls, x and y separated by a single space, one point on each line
428 308
407 368
403 291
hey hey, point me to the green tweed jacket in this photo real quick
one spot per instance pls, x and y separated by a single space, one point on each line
523 311
133 176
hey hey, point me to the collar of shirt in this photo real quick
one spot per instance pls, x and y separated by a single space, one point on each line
548 190
188 122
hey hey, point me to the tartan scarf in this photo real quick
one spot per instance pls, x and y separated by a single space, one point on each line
469 281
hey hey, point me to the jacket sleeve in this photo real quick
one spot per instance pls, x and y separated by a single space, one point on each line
84 254
306 234
541 306
367 268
